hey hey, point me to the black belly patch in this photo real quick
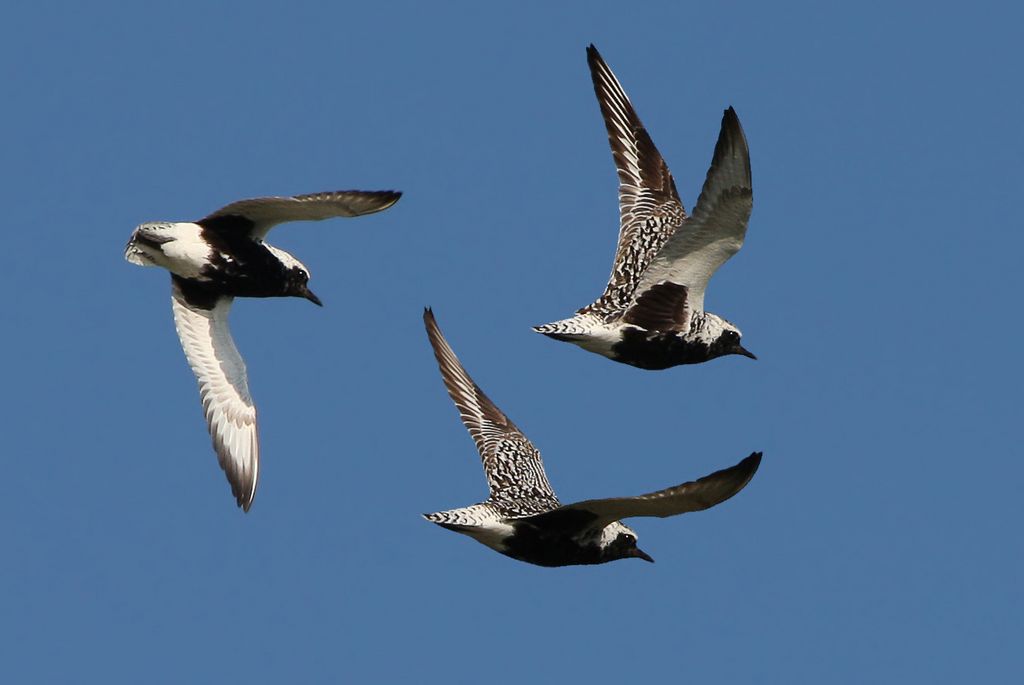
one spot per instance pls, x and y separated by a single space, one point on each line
537 545
240 266
656 350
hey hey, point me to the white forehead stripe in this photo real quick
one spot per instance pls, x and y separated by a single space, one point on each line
289 261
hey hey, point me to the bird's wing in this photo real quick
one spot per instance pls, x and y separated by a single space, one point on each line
662 307
697 495
258 215
718 226
202 324
515 472
649 206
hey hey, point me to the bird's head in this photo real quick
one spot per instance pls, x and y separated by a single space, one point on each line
297 284
728 341
296 275
618 541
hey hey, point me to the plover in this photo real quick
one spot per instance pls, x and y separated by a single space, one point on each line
522 518
651 314
212 261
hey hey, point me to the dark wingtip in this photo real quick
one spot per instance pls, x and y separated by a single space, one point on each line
753 462
731 120
731 124
434 333
732 141
389 197
374 201
243 500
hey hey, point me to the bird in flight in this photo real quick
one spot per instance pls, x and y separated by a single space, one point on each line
651 314
212 261
522 518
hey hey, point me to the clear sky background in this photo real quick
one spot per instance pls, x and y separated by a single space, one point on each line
880 287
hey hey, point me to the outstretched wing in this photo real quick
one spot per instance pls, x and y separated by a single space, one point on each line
697 495
649 206
202 323
718 226
259 215
515 472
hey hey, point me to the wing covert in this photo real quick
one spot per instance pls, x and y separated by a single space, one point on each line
266 212
697 495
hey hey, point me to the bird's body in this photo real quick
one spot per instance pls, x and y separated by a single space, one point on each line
651 314
227 262
214 260
523 519
543 543
705 337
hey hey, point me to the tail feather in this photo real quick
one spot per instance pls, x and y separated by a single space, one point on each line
135 253
464 517
575 328
441 518
146 243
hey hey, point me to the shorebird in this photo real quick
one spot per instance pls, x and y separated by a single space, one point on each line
651 314
212 261
522 518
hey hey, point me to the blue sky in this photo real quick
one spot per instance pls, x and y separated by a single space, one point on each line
879 287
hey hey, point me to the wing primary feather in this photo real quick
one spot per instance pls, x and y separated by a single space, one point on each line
263 213
697 495
202 327
718 226
730 162
479 414
513 466
649 205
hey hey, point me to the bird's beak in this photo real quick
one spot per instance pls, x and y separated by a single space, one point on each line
745 352
637 552
308 294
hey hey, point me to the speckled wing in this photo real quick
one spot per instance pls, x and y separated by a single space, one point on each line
697 495
649 206
515 472
266 212
223 390
718 226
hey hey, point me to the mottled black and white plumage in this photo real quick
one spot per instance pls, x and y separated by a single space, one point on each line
212 261
651 314
522 518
